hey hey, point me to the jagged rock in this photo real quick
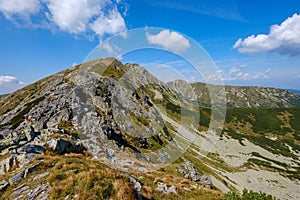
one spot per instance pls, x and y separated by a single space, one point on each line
206 181
30 133
137 186
165 189
16 178
32 168
40 192
35 149
3 185
143 143
183 172
110 154
62 146
19 191
23 174
192 172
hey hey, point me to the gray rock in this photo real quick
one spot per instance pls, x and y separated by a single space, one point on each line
165 189
206 181
192 172
16 178
35 149
137 186
3 185
32 168
30 133
23 174
110 153
40 192
62 146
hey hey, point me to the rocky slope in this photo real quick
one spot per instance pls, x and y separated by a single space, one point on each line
251 97
109 130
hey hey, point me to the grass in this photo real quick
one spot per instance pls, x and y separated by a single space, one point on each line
69 128
247 195
112 72
138 120
268 159
77 174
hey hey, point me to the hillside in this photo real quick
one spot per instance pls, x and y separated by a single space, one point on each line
109 130
252 97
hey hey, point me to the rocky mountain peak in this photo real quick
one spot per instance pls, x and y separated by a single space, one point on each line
116 126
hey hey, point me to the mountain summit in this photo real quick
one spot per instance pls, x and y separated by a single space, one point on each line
108 130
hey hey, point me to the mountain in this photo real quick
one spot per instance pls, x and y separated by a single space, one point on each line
295 91
251 97
108 130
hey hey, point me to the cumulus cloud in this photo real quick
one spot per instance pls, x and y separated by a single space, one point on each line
238 73
9 84
111 24
73 16
10 80
170 40
19 7
6 80
283 39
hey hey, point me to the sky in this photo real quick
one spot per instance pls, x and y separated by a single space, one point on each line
250 42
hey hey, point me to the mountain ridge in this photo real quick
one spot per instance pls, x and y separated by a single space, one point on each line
120 118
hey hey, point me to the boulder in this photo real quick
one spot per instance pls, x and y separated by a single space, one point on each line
206 181
35 149
3 185
192 172
62 146
137 186
165 189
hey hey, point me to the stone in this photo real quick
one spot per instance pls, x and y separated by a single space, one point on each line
16 178
110 153
39 192
35 149
32 168
62 146
137 186
165 189
30 133
192 172
206 181
23 174
3 185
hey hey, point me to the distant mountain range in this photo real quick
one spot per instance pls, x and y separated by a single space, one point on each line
295 91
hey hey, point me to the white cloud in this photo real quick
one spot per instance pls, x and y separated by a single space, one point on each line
5 80
10 80
170 40
9 84
19 7
237 73
236 69
73 16
283 39
111 24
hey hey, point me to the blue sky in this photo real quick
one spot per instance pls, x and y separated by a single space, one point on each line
251 42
